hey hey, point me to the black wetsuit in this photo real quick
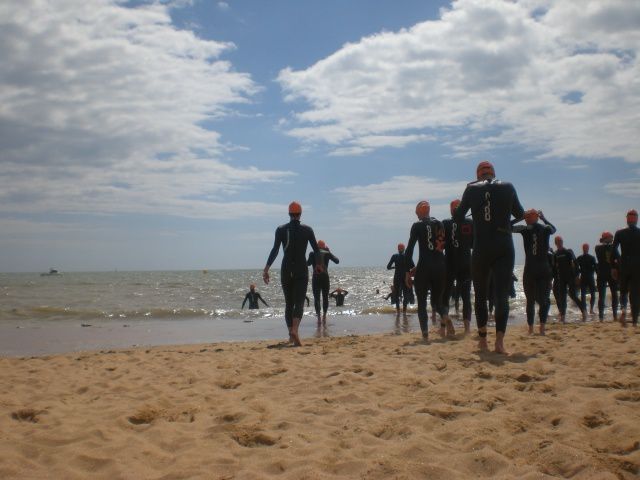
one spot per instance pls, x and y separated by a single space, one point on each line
430 271
536 279
492 204
458 244
253 298
608 259
294 275
320 281
401 266
339 297
587 266
629 272
564 281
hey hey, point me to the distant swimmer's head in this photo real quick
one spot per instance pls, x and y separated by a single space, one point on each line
453 206
531 216
252 287
558 241
322 245
606 237
423 209
632 217
295 209
585 248
400 247
485 171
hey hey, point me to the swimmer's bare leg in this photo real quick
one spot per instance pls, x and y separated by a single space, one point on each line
451 331
500 344
482 341
294 332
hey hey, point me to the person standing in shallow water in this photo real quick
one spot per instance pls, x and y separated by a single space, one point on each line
338 295
492 204
537 270
566 278
320 280
430 271
252 297
587 266
607 264
401 266
629 272
294 274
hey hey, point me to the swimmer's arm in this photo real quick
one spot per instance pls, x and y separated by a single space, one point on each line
516 209
262 300
246 297
333 258
310 260
463 207
390 264
272 255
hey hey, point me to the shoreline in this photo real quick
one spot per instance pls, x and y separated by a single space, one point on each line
41 338
376 406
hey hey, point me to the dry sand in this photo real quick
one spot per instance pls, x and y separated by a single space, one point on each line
371 407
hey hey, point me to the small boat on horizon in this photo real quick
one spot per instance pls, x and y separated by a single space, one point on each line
52 273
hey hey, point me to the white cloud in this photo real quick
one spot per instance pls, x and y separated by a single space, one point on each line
102 110
392 202
629 188
223 6
556 77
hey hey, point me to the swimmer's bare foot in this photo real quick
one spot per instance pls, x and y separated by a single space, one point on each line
584 315
530 329
425 338
442 331
451 331
562 319
623 318
294 332
542 329
467 327
324 319
483 346
499 345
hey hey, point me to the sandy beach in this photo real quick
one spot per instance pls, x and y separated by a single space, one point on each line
381 406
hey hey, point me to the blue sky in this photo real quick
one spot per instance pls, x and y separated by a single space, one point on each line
172 135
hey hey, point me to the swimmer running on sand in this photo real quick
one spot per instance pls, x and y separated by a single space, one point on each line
492 203
294 275
587 265
429 273
320 280
607 264
629 273
566 279
537 270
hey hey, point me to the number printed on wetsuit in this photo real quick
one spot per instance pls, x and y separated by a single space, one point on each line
429 237
487 206
454 227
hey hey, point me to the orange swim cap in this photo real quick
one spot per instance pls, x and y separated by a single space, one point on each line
295 208
422 209
252 286
606 236
321 244
485 168
454 205
632 217
558 240
531 216
401 247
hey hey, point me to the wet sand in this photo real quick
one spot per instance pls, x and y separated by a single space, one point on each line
376 407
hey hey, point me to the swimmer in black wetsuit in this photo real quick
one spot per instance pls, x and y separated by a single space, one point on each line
492 204
608 260
587 265
338 294
566 279
537 270
629 272
458 243
430 272
252 296
401 265
320 280
294 276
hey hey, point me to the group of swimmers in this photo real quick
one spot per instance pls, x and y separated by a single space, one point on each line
479 251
